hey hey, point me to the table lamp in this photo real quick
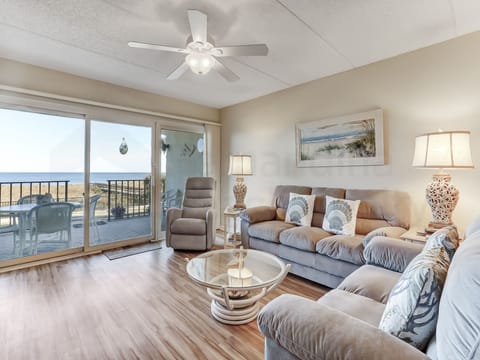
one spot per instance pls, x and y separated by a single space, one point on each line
240 166
441 150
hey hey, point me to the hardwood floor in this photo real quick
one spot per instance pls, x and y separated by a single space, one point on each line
138 307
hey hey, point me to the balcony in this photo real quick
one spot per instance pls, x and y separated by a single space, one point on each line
121 210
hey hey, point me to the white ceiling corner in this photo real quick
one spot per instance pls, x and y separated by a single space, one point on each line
307 39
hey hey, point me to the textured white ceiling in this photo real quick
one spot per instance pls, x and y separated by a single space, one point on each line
307 39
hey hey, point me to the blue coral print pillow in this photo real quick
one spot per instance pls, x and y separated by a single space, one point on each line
447 238
411 311
340 216
300 209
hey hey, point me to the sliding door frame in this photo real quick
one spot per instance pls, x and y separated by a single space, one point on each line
51 104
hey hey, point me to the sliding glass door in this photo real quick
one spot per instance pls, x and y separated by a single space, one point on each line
134 173
182 156
120 182
41 183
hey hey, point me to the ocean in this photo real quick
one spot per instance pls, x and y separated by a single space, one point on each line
73 177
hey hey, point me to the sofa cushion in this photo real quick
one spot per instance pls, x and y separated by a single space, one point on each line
319 207
458 329
380 208
390 253
343 247
338 268
281 197
300 209
269 230
411 311
189 226
358 306
387 231
303 238
340 216
371 281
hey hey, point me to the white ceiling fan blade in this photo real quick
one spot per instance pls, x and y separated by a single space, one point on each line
198 25
241 50
225 72
179 71
140 45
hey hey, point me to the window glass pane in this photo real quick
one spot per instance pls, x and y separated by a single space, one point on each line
41 183
120 177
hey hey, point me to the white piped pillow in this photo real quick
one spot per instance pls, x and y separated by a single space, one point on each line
300 209
340 215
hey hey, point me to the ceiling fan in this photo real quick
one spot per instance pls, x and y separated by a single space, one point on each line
202 54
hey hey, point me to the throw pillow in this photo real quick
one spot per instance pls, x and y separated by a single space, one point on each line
411 311
300 209
340 215
447 238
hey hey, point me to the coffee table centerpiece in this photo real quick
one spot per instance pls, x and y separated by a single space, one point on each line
235 280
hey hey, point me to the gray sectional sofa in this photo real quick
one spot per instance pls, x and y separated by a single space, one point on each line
344 324
312 252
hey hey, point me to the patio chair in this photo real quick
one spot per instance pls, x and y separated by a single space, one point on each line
8 224
35 199
50 218
193 227
93 220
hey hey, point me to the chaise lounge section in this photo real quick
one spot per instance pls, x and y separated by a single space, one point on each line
346 323
314 253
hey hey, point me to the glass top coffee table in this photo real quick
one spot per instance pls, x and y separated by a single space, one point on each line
235 280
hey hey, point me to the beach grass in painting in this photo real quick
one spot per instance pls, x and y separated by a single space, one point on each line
354 139
348 140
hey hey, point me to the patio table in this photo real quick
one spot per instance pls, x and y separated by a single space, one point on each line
21 211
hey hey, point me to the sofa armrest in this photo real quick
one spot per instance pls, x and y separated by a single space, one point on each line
258 214
310 330
172 215
390 253
388 231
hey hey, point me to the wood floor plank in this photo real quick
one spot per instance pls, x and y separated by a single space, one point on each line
138 307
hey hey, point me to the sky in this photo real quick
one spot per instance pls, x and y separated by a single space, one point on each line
32 142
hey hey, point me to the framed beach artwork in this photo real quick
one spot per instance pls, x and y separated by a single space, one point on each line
342 141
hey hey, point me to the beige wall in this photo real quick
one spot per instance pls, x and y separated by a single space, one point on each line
436 87
31 77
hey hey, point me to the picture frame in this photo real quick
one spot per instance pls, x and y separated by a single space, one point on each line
351 140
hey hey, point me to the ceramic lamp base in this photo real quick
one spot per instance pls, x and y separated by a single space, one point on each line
442 196
239 190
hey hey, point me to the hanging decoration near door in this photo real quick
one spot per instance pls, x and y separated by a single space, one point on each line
123 147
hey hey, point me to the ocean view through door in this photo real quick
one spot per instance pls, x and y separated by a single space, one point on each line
182 156
120 199
41 184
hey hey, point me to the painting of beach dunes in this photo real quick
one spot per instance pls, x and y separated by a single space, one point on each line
350 140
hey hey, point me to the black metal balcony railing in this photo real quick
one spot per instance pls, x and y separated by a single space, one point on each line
128 198
125 198
11 192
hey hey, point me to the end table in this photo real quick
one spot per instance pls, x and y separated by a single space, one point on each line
228 214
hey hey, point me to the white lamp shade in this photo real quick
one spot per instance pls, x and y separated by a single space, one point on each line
240 165
448 149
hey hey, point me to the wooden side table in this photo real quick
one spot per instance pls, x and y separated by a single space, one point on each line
234 241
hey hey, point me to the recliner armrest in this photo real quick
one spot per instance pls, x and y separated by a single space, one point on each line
258 214
390 253
210 219
312 331
172 215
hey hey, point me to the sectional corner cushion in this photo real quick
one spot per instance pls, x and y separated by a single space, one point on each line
314 252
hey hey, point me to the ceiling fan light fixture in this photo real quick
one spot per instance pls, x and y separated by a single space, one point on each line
200 63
